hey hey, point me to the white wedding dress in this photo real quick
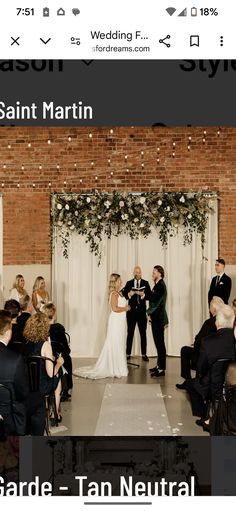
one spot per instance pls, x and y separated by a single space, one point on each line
112 360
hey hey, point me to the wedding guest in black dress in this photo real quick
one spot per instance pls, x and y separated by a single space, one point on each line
159 319
137 291
221 284
60 345
36 333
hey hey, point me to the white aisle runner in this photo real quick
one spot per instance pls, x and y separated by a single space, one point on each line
136 410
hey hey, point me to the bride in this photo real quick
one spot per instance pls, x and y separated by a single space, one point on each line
112 360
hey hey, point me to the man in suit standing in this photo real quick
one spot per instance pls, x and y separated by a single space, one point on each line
221 284
12 375
159 319
137 291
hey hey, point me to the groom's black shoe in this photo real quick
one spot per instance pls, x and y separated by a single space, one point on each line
157 373
181 386
153 369
145 358
128 357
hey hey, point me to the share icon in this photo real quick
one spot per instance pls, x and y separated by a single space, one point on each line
163 41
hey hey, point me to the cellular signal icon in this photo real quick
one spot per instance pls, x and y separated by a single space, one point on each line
183 13
171 10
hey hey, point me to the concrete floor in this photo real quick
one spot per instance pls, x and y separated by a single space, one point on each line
81 414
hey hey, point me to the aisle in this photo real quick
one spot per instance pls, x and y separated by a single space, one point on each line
136 405
132 410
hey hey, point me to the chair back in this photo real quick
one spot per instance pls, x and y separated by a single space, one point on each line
34 366
218 371
34 370
68 338
18 347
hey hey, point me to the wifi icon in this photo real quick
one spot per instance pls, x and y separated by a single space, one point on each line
171 10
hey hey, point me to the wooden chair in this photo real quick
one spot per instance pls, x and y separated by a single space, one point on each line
34 363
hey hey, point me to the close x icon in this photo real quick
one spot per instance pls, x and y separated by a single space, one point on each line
15 40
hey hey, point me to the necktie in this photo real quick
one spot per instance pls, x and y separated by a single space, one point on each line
217 280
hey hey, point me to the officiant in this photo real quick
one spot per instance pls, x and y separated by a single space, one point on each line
137 291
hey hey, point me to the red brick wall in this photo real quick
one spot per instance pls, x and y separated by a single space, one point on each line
209 166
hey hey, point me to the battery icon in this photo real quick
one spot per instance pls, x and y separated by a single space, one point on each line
194 11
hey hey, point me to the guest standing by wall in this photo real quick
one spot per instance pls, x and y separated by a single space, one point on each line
221 284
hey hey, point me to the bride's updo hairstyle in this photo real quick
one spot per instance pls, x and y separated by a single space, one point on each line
112 282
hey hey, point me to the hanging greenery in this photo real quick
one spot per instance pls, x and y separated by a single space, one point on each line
94 215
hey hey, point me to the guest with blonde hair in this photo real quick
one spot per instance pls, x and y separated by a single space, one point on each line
18 291
40 295
36 333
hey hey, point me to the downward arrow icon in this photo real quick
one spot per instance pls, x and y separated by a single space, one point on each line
45 42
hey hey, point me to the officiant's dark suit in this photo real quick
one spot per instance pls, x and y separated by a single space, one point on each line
220 284
137 312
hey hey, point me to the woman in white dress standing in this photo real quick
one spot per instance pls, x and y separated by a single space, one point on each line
112 360
18 291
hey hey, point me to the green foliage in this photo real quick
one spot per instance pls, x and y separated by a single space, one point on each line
96 214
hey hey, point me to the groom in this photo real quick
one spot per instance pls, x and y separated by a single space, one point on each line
137 291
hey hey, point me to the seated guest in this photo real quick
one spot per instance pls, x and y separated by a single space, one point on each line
218 345
13 307
189 354
36 334
60 345
18 289
40 296
12 374
26 308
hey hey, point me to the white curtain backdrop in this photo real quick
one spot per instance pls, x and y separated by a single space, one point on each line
80 286
1 254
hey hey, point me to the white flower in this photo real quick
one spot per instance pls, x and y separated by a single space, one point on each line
59 206
121 204
162 219
189 216
69 223
107 204
60 223
142 200
136 220
141 225
72 227
99 217
182 199
159 202
124 216
168 208
87 222
88 200
76 213
67 207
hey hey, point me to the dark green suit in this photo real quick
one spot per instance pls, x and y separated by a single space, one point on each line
159 318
